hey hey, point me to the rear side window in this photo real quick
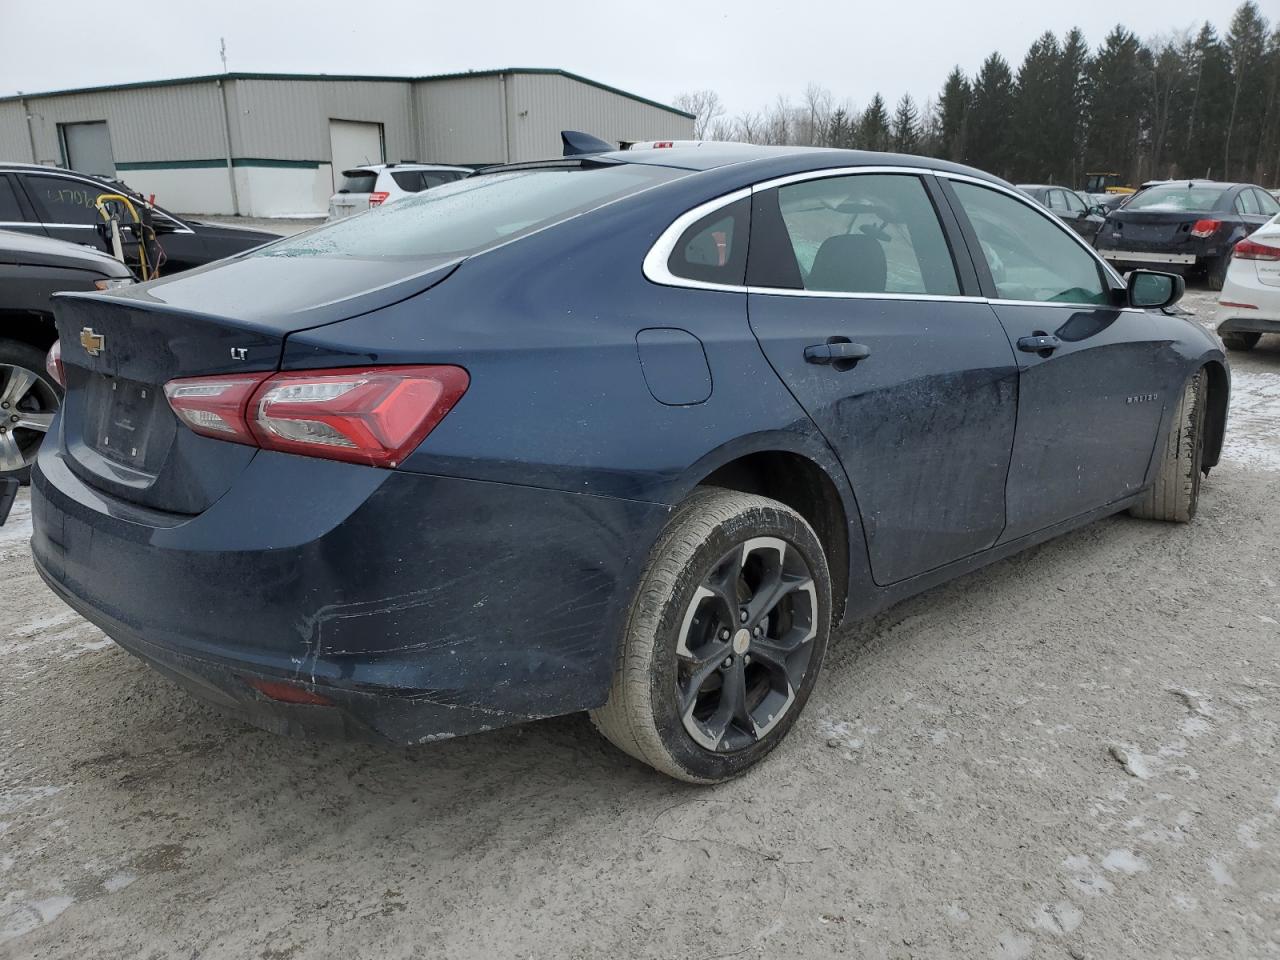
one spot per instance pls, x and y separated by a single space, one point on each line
358 181
1267 203
867 233
415 181
1246 202
10 212
65 201
1031 257
474 214
714 250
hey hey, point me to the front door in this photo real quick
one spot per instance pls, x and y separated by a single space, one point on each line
855 299
1090 390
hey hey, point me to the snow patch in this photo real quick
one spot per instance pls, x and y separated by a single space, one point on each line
118 881
1085 877
1058 918
1124 861
11 800
1221 875
1012 946
1253 425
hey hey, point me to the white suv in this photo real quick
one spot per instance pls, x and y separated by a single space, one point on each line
380 183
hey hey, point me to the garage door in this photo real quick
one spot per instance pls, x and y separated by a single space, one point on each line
87 147
353 143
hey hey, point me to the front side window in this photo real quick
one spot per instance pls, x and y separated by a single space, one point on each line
1074 203
65 201
1057 202
867 233
1031 257
474 214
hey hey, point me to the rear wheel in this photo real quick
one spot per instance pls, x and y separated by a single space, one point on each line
1241 341
1216 271
724 640
28 401
1176 492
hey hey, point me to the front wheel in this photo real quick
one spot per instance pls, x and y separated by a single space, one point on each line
28 400
1176 492
724 640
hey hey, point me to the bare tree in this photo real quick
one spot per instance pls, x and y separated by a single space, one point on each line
706 107
810 127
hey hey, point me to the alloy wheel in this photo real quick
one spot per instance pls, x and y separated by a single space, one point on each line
745 644
27 405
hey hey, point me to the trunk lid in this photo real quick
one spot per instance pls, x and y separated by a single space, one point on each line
119 349
1163 229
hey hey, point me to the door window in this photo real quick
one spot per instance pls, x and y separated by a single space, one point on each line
1057 202
10 211
63 200
1031 257
867 233
1074 203
1247 203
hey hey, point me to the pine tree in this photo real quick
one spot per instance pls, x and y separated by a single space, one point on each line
990 117
873 126
840 130
906 126
1246 45
1209 75
1118 90
1070 106
1035 122
953 116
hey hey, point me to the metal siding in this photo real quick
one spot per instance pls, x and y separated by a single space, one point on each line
542 105
157 123
461 120
13 133
289 119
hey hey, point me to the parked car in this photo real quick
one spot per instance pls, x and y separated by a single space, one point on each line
1108 201
32 269
1081 216
547 440
50 201
1187 226
379 184
1250 299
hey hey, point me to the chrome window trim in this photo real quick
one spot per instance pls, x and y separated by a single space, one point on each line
655 262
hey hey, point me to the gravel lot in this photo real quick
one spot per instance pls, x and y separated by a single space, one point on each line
1069 754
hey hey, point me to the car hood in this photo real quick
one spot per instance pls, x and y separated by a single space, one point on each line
30 250
207 229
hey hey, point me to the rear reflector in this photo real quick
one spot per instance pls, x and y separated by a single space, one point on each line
369 415
53 363
286 692
1205 228
1253 250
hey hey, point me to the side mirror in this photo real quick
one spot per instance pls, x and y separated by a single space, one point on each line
1152 291
1098 210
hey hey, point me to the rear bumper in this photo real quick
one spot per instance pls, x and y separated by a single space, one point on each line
420 607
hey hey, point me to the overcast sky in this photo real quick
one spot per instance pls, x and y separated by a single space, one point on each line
749 51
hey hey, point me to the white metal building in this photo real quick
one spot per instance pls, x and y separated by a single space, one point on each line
269 145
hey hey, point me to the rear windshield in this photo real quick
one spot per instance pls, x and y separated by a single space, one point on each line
1177 197
358 181
471 215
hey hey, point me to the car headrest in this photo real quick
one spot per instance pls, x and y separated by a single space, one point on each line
849 263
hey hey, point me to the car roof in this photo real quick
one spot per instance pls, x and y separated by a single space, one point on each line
406 165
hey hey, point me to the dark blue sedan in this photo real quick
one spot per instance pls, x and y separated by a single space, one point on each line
626 433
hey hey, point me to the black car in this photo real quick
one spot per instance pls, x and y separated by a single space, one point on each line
1185 226
50 201
625 433
32 269
1073 209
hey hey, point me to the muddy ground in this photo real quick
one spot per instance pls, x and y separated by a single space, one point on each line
1072 753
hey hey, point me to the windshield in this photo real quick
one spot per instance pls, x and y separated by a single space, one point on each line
1177 197
465 217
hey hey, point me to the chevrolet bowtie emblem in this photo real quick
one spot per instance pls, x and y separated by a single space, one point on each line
92 342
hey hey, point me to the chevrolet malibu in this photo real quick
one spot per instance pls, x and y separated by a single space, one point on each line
626 433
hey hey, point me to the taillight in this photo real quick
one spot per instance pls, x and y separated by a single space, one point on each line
53 363
377 198
215 406
370 415
1253 250
1205 228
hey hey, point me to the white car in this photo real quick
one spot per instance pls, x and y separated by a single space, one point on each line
1250 298
380 183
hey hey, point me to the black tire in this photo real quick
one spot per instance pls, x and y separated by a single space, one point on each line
1216 271
1176 493
35 402
1241 341
676 628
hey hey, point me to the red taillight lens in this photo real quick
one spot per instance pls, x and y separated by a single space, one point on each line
53 363
1253 250
370 415
377 198
215 406
1205 228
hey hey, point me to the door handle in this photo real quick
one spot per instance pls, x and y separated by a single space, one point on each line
1041 343
840 352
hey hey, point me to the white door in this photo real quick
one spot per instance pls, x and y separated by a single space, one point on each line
353 143
88 148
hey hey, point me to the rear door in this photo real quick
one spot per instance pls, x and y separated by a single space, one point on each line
66 205
1091 388
860 307
16 212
